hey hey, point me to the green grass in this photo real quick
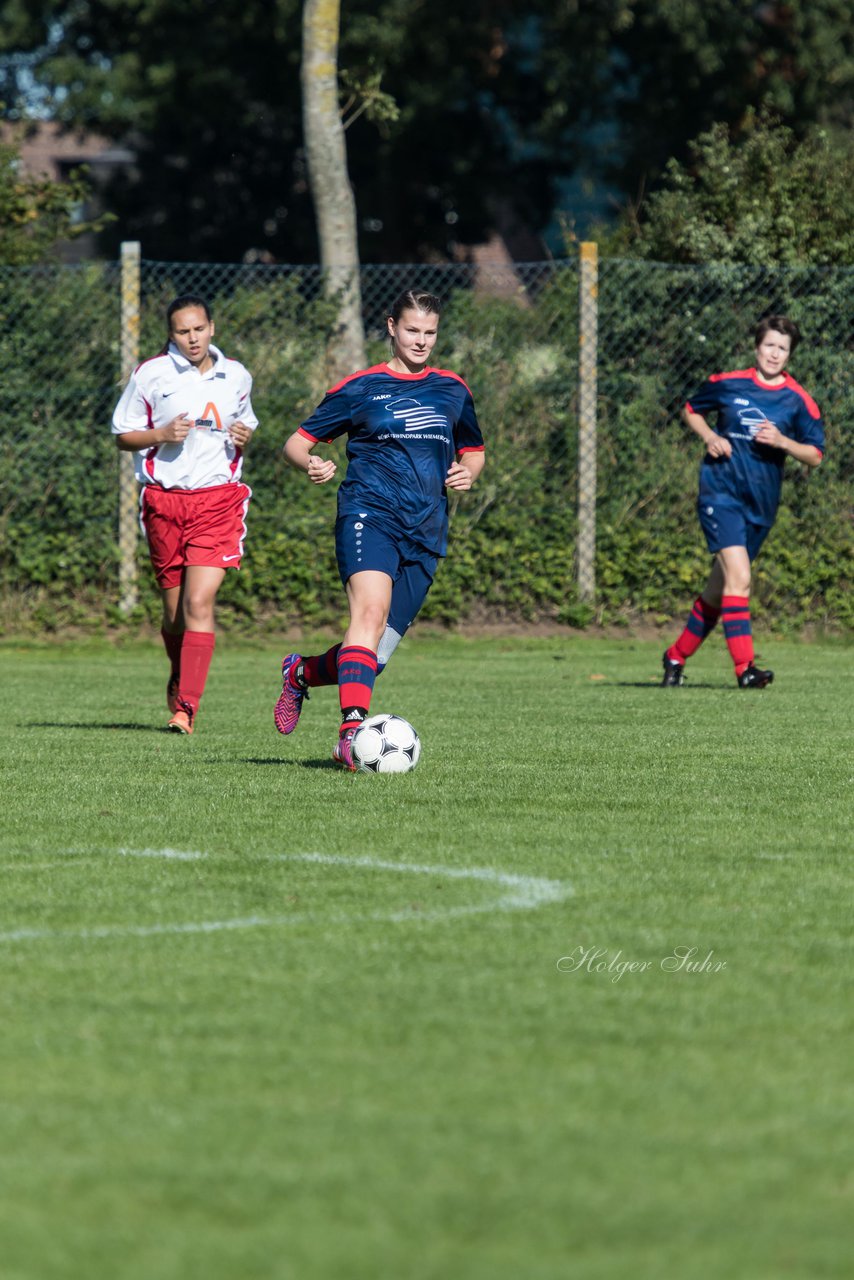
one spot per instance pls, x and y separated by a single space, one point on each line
251 1064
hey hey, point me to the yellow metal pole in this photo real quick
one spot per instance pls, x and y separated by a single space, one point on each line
128 513
587 395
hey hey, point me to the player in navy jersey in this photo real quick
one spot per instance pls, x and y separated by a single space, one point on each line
186 415
762 415
412 434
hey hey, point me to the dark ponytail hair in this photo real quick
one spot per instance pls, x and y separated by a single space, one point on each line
178 304
414 300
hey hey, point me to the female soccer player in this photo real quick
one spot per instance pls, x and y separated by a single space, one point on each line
187 416
412 435
762 414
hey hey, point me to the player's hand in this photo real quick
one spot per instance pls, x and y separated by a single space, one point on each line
240 434
458 477
718 446
177 430
769 434
320 469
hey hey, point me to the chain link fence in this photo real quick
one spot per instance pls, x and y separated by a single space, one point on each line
579 368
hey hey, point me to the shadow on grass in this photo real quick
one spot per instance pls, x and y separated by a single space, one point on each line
294 764
92 724
645 684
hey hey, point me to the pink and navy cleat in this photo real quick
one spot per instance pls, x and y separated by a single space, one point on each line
287 710
342 752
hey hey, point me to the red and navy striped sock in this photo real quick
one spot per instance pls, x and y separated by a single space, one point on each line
322 669
701 620
357 671
735 616
196 653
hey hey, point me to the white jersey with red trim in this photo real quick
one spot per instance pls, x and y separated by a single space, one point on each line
168 385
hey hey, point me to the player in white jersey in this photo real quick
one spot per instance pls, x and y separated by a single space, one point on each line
187 416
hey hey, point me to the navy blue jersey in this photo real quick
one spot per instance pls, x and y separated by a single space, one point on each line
403 432
752 477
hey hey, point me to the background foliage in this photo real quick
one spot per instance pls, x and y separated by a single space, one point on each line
539 99
515 340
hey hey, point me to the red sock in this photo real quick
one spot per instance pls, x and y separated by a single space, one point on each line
701 621
172 643
357 671
196 653
735 616
323 669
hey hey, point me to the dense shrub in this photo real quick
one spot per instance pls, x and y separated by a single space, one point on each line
662 329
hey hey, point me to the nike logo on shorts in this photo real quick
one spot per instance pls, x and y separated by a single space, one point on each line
237 557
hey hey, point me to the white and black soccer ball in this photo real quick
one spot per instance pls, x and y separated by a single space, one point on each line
385 744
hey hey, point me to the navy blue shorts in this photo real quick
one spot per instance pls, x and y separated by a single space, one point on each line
361 544
727 527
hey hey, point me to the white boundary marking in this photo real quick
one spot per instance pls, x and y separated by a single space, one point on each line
517 893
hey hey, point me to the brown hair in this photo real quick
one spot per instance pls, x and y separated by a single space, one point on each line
780 324
414 300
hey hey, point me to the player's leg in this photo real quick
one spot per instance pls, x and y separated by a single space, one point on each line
408 594
163 529
214 532
701 622
172 634
201 584
735 562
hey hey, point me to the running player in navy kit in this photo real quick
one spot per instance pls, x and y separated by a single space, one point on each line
412 435
762 415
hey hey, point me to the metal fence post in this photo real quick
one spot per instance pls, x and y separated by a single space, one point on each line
128 507
588 331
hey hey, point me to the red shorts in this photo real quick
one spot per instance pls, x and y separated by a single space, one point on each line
193 527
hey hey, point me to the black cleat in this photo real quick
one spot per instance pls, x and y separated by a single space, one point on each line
674 673
752 678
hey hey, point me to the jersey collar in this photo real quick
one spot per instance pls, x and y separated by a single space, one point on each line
183 364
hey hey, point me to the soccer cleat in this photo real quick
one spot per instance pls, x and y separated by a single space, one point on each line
674 673
752 678
182 720
342 752
172 693
287 710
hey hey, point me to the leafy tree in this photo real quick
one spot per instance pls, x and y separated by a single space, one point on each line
35 213
491 106
334 205
763 198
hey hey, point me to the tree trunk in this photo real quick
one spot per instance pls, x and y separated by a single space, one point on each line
334 204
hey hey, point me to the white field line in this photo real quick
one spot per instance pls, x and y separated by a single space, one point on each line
517 893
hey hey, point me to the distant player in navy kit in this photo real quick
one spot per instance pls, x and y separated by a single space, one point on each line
412 434
187 416
762 415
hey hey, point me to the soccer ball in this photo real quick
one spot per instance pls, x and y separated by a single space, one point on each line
385 744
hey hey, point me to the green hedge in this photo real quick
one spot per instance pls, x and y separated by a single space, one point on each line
661 331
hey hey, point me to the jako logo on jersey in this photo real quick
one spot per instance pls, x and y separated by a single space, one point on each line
209 421
738 400
387 395
414 415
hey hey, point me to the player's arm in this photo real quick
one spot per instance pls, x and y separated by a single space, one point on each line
806 453
465 469
297 451
242 429
173 433
716 446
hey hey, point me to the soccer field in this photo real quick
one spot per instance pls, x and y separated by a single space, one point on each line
570 1000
